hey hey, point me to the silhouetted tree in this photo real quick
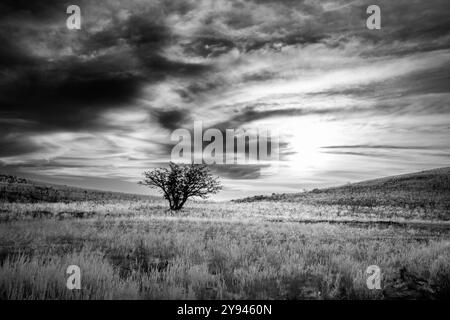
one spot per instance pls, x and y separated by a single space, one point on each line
182 181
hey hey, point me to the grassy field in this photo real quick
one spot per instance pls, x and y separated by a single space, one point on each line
315 245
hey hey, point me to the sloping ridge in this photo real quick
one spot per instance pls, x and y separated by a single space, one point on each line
16 189
430 188
437 179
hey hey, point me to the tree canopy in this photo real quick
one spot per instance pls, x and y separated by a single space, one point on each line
179 182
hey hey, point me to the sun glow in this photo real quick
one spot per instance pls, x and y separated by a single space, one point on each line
304 137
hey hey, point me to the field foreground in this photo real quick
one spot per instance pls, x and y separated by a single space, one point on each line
151 254
316 247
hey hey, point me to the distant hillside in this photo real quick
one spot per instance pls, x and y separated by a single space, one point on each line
427 189
16 189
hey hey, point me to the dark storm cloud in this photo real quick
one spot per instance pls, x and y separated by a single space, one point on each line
35 10
12 56
71 91
171 118
13 145
71 101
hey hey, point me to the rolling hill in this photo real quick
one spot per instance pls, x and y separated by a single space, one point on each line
16 189
422 190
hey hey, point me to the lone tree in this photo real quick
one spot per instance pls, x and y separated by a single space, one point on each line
182 181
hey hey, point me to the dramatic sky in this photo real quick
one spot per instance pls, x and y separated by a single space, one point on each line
95 107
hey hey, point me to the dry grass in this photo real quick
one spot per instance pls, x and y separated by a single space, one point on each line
208 251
